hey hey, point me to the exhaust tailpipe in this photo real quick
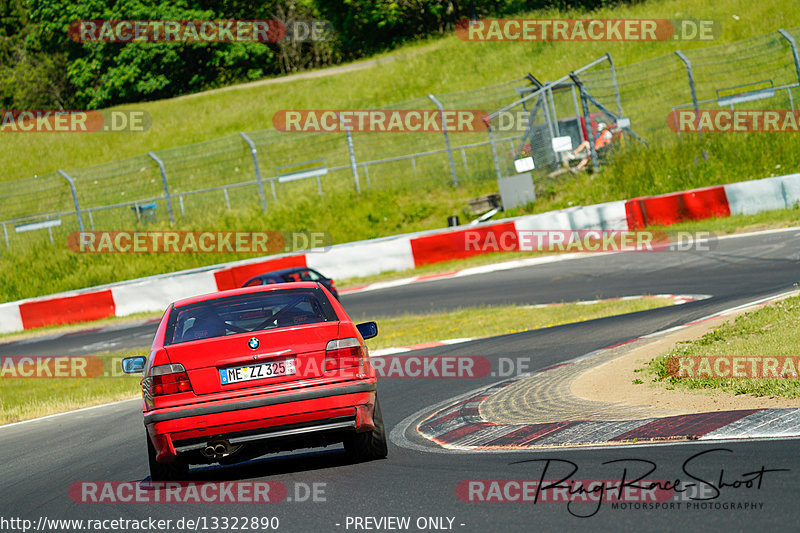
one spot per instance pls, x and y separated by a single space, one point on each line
217 450
208 451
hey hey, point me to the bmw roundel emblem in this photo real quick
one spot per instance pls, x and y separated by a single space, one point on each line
253 343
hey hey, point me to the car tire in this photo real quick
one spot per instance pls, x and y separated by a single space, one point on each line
370 444
174 471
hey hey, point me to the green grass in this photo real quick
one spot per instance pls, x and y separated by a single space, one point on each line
434 65
692 162
768 332
45 269
396 203
489 321
24 398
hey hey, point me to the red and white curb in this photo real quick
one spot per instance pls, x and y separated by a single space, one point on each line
677 299
458 425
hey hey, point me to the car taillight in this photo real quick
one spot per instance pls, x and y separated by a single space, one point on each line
345 353
169 379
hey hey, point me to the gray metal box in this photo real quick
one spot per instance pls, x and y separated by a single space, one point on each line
516 190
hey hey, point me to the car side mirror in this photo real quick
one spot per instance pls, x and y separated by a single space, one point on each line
368 329
133 365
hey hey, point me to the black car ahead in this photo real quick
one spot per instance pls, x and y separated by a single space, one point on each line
288 275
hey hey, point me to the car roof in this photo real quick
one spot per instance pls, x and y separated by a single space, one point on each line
245 290
283 271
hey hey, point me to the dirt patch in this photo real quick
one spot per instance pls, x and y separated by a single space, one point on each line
612 381
600 388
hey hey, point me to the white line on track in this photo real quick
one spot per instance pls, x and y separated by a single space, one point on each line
531 261
82 409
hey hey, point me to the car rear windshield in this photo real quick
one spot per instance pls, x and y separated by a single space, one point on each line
247 313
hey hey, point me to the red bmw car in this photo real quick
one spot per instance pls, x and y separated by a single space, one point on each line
237 374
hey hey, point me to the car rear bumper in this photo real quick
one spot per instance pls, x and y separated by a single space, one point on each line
282 415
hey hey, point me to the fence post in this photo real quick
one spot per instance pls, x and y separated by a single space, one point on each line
587 120
352 152
786 35
614 81
160 164
494 151
439 106
254 153
71 183
691 78
575 103
550 130
5 232
553 115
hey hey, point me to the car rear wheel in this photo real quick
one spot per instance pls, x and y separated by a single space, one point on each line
371 444
174 471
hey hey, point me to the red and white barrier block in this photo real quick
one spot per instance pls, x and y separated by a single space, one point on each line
403 252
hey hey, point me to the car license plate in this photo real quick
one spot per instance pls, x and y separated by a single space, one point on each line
284 367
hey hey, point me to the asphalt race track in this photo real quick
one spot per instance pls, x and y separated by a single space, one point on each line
42 459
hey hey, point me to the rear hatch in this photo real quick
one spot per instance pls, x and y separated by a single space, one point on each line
230 363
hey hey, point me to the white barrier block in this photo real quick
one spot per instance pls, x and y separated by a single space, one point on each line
156 294
608 216
10 318
755 196
550 221
791 189
363 258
